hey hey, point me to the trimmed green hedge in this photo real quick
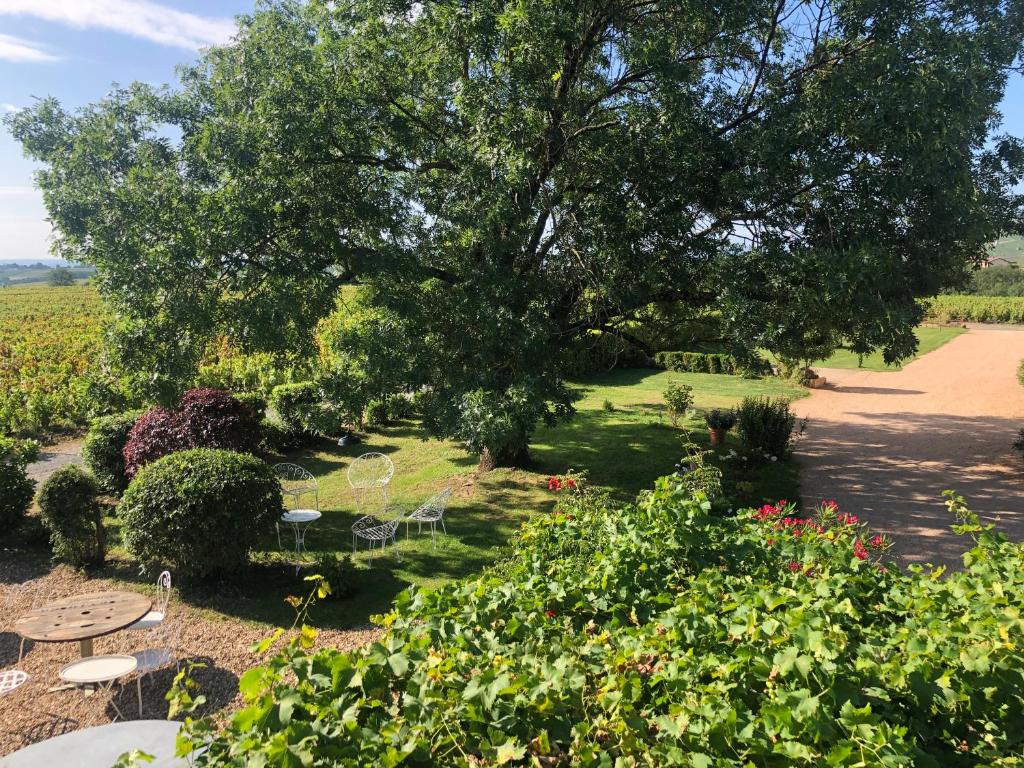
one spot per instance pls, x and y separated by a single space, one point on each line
710 362
659 635
975 309
73 516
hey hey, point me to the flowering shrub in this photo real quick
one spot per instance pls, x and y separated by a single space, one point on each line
570 481
667 637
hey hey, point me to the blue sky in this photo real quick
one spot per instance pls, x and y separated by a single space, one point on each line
75 49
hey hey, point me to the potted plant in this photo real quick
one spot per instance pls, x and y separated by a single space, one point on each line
719 422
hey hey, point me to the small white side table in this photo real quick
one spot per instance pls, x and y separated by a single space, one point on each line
300 520
103 672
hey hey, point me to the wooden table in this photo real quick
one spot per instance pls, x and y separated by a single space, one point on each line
83 617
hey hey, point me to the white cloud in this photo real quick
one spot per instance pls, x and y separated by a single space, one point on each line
17 49
15 191
139 18
5 107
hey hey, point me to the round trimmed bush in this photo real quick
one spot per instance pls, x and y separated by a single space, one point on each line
103 450
73 516
200 511
16 489
154 435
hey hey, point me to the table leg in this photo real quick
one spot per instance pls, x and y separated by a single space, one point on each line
85 647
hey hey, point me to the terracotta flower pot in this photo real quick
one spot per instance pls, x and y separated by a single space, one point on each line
717 437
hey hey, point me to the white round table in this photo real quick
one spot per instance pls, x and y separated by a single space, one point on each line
101 746
300 520
103 672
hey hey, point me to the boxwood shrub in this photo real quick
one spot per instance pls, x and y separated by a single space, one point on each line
301 409
16 488
658 635
200 511
103 449
73 516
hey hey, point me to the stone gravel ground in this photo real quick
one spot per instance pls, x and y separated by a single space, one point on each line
33 712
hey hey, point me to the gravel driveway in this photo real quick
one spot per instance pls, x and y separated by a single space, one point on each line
886 444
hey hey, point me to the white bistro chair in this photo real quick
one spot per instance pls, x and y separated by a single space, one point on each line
297 482
432 513
163 596
374 530
367 473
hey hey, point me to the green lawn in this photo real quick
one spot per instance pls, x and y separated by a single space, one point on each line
624 449
928 340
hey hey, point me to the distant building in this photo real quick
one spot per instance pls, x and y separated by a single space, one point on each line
996 261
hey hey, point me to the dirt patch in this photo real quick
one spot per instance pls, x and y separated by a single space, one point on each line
33 712
886 444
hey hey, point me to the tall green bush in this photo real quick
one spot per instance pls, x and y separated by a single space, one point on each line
657 635
16 488
302 410
765 426
73 516
200 511
103 449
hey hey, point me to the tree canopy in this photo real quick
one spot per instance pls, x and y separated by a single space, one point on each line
508 178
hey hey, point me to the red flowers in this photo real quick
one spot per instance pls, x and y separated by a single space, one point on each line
795 565
829 505
876 541
550 614
848 519
858 550
558 484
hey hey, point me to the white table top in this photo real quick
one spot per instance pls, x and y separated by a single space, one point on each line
101 746
300 516
98 669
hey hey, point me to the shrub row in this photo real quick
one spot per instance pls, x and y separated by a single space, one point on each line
656 634
975 309
709 362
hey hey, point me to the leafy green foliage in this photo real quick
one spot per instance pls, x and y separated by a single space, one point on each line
302 410
656 634
679 399
765 426
200 511
103 449
60 277
16 489
720 418
73 516
975 309
506 179
997 281
339 572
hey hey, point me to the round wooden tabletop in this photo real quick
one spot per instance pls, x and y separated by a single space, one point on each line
82 617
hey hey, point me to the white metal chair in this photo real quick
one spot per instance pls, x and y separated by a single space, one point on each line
369 472
372 529
297 482
432 513
163 652
163 596
11 680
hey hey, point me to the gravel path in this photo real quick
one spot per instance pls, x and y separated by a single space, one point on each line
53 457
886 444
33 712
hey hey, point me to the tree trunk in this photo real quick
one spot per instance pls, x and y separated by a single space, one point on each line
511 456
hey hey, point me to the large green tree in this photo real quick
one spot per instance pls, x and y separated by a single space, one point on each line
509 176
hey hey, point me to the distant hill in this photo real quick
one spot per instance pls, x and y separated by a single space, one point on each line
1009 248
14 273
